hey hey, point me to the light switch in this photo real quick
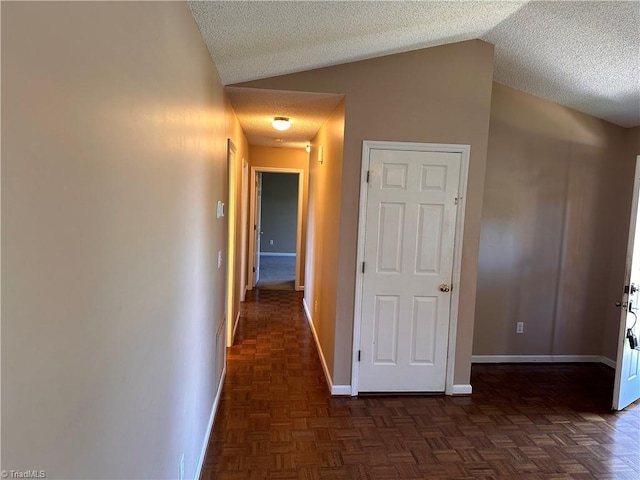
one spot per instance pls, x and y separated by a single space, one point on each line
219 258
220 209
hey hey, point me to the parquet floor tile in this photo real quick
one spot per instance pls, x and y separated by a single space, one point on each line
276 419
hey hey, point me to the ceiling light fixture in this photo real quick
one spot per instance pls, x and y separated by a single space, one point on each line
281 123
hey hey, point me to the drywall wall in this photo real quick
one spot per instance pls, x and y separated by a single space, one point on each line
114 156
433 95
553 228
325 181
273 157
279 212
620 212
633 141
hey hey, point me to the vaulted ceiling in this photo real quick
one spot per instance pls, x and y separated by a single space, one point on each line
585 55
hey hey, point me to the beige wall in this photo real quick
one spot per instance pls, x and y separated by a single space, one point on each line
325 181
554 222
633 141
261 156
113 130
437 95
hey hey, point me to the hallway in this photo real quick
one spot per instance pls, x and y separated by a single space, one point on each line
276 419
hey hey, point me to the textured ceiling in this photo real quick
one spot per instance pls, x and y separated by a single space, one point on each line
256 108
585 55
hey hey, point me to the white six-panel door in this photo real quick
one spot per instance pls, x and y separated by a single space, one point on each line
410 228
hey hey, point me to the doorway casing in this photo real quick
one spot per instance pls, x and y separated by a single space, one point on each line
252 220
464 151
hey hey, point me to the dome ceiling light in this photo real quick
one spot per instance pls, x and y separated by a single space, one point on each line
281 123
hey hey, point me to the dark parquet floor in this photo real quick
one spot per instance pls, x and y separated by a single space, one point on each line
276 419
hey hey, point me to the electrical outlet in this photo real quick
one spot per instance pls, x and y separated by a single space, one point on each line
520 327
270 242
181 477
315 306
219 258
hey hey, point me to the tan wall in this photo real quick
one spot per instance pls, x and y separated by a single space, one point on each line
286 158
325 181
553 229
437 95
236 135
113 153
622 197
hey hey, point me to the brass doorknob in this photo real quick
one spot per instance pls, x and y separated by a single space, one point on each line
445 288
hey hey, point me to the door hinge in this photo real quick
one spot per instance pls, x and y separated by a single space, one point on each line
362 267
368 175
359 352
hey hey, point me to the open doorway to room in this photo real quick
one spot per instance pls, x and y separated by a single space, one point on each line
276 216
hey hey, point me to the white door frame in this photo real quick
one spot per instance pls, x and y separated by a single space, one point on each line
252 219
464 150
244 228
232 164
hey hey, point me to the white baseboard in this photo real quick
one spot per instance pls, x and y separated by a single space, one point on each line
235 327
307 314
334 389
608 362
212 417
461 390
277 254
541 359
341 390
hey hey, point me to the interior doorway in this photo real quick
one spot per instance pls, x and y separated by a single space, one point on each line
409 248
276 220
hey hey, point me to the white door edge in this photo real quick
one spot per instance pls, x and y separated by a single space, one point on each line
367 146
627 281
252 217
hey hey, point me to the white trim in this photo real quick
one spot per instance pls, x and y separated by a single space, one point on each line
235 327
541 359
608 362
277 254
212 418
306 312
327 376
461 390
252 221
464 151
341 390
244 228
231 220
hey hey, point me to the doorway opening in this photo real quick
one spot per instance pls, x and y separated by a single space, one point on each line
276 217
